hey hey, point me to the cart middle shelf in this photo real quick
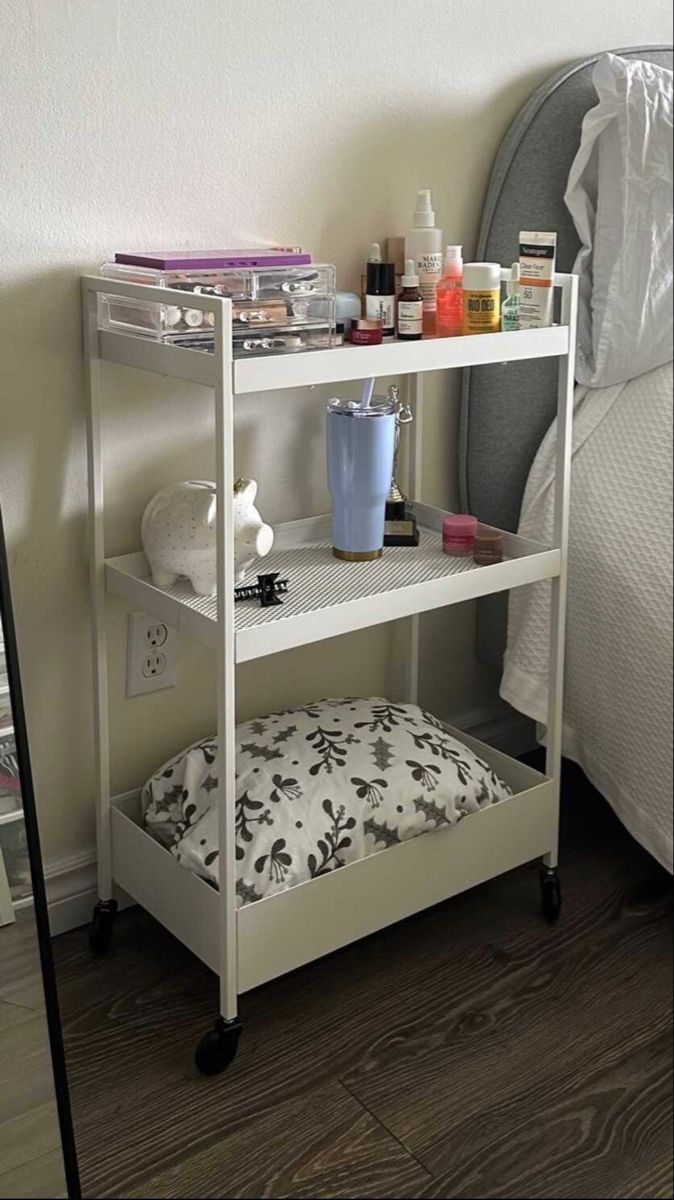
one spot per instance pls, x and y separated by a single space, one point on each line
327 596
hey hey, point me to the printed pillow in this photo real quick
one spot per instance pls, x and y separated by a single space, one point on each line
318 787
620 197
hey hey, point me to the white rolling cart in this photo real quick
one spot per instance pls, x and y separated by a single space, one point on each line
250 945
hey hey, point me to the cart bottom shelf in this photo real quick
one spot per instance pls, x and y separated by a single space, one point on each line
291 928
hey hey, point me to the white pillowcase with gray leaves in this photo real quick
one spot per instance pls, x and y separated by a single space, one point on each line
318 787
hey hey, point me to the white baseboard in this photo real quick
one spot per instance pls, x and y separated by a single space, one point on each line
71 882
71 891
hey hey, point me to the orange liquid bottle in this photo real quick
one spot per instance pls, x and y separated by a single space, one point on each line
449 295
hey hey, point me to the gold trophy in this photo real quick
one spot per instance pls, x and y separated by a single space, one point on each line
400 527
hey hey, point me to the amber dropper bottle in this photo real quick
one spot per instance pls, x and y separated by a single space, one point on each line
410 305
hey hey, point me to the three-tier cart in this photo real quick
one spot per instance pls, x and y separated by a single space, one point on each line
249 945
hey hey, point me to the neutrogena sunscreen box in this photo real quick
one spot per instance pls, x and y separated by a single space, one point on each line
537 275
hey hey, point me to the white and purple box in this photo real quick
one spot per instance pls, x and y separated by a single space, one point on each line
210 260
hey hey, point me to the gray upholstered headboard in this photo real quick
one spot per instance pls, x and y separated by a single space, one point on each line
506 410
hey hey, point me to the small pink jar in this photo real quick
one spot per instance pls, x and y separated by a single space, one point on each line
458 535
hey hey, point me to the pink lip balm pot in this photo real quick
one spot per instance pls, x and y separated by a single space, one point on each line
458 535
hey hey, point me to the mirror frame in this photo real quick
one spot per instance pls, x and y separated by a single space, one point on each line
37 879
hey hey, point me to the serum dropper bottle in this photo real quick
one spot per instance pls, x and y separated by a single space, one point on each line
510 309
410 305
380 300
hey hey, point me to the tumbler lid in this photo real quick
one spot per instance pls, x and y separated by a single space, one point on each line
380 406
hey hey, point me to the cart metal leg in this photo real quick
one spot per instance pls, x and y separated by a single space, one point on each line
551 893
415 399
218 1047
105 910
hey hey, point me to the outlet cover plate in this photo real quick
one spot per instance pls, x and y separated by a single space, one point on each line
150 655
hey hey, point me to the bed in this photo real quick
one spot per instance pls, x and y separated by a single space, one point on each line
619 653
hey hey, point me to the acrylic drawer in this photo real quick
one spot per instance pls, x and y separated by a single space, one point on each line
265 297
291 339
282 339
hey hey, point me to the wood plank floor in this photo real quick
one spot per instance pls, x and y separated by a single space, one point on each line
31 1163
472 1051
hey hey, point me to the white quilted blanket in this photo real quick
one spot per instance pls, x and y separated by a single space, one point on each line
618 698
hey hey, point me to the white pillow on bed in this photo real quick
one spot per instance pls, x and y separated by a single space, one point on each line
318 787
620 197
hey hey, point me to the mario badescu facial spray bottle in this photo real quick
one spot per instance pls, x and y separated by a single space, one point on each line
423 244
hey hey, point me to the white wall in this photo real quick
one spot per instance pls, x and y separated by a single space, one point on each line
163 123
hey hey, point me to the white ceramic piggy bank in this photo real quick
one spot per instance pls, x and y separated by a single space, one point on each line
178 532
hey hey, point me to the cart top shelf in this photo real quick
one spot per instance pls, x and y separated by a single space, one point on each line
331 366
306 369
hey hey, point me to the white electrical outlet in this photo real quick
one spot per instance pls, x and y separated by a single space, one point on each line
151 655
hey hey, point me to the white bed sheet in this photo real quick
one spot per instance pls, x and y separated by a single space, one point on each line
618 695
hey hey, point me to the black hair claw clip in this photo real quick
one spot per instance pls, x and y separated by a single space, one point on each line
268 590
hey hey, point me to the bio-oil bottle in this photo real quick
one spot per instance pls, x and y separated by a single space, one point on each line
423 244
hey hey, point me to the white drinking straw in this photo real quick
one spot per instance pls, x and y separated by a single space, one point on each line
368 388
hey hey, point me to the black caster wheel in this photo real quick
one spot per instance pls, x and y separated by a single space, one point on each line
217 1048
102 924
551 894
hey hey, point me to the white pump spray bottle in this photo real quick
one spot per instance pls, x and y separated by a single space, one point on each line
423 244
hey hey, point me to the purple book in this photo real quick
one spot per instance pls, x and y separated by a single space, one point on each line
205 260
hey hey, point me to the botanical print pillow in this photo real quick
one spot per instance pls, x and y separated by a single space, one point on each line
318 787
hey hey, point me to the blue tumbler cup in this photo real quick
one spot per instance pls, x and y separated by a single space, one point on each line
360 448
